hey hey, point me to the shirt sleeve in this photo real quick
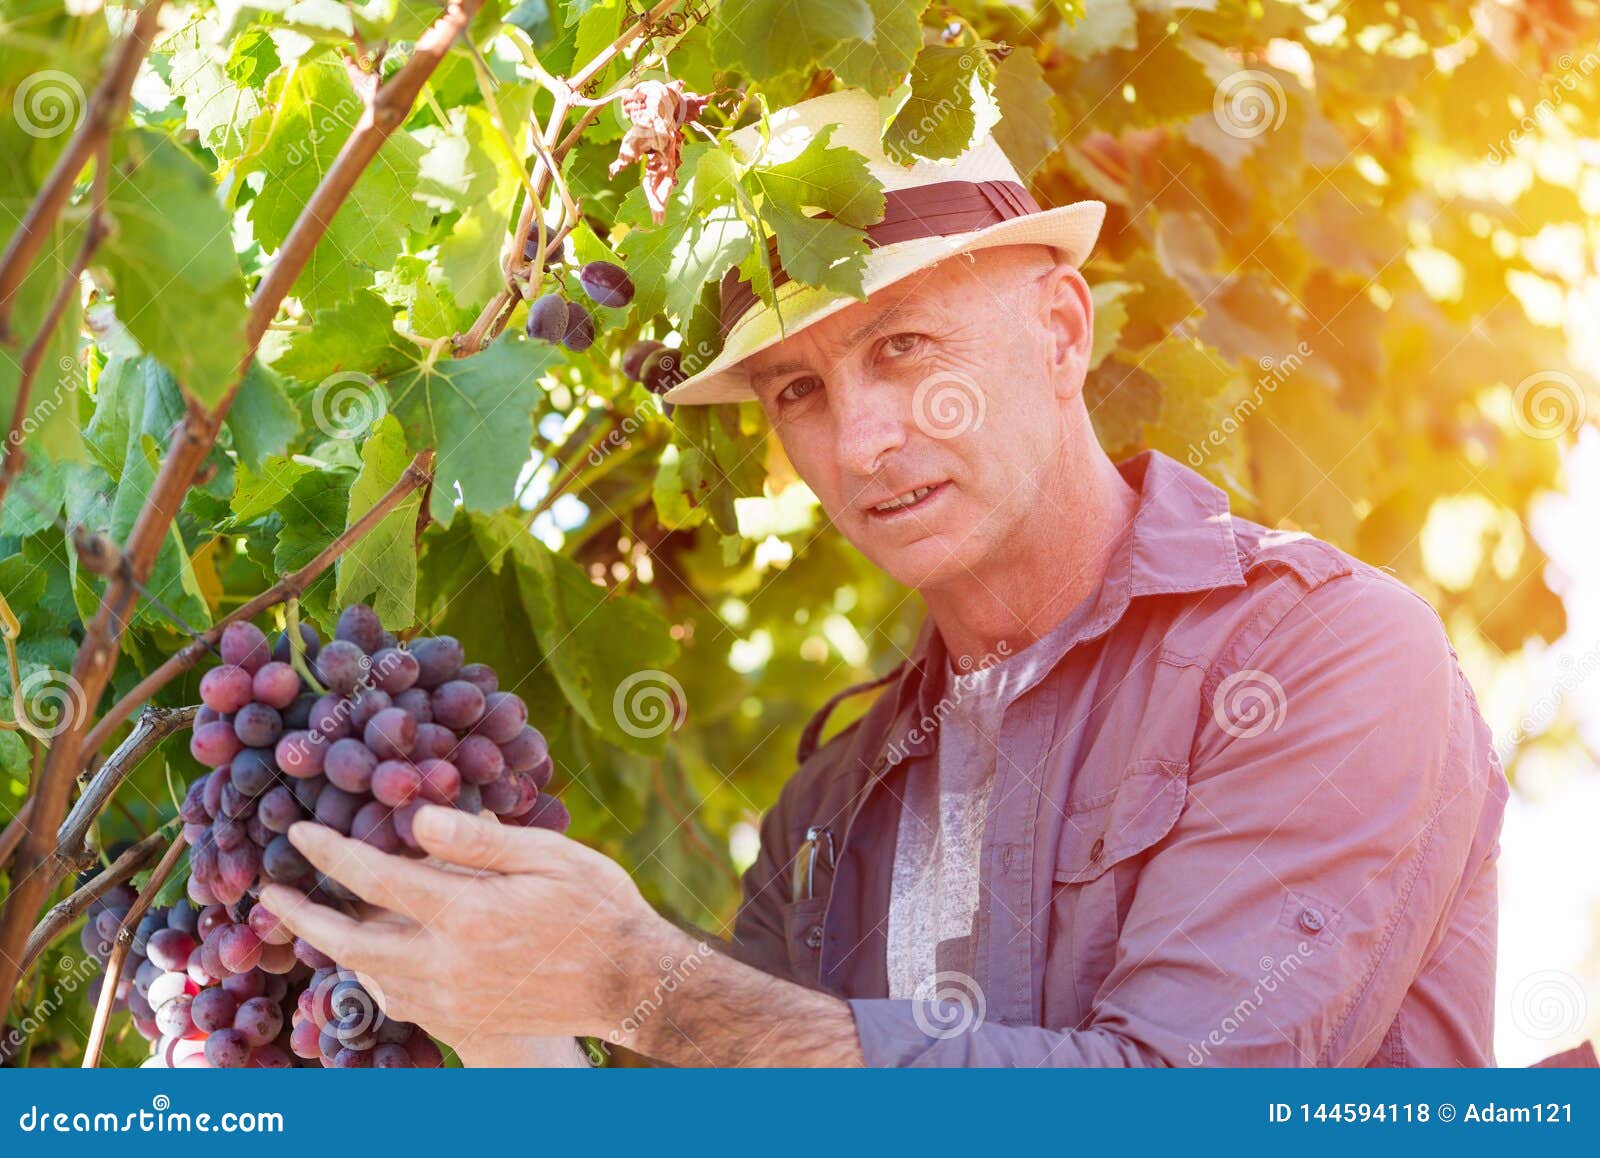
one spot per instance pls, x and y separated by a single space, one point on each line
1337 780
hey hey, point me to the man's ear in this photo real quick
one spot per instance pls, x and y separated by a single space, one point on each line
1067 310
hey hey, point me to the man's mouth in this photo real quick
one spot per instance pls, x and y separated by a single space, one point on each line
906 501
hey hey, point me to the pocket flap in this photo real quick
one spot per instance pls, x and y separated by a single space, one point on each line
1109 829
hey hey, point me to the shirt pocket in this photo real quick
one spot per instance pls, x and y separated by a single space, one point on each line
1103 845
802 930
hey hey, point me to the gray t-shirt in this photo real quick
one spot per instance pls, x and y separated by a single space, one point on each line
935 888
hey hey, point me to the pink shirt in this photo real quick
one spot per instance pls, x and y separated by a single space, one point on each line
1249 817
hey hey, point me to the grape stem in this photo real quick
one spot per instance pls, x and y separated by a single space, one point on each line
297 648
119 951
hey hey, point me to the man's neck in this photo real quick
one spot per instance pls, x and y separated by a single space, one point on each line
1065 553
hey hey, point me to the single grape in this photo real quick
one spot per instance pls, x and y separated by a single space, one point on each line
213 919
239 948
303 1040
504 715
168 987
206 715
245 985
349 765
479 759
606 283
424 1051
213 789
270 1057
244 645
352 1059
259 1019
395 782
229 834
458 704
264 923
341 665
282 862
527 795
203 862
211 961
480 676
228 1049
173 1019
200 892
184 917
366 703
391 1056
633 358
214 744
579 335
276 685
306 791
330 718
336 808
662 371
439 658
541 772
260 835
278 809
394 669
308 634
501 796
371 825
470 798
213 1009
236 805
549 813
525 750
310 955
391 733
402 818
302 754
297 716
193 808
416 703
547 318
441 781
433 740
138 1005
237 869
358 624
253 770
257 725
144 975
277 959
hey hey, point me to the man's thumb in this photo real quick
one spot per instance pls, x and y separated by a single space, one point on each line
480 841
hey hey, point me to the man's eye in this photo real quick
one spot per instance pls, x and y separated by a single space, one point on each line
898 345
798 389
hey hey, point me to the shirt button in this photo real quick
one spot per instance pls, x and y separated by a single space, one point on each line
1098 848
1311 920
814 937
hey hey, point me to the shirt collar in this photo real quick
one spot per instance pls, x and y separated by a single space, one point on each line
1181 541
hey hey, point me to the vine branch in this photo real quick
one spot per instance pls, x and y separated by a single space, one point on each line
190 444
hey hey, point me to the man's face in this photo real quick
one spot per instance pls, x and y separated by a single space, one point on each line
930 420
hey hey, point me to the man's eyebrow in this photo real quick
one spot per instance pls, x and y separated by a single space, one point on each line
761 377
877 325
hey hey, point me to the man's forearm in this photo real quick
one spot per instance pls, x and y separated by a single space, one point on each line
508 1051
707 1009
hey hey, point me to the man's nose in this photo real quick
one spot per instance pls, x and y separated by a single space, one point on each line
872 424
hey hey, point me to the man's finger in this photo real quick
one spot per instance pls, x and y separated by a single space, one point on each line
479 841
350 942
391 882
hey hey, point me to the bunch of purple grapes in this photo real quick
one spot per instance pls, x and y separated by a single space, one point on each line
394 726
387 728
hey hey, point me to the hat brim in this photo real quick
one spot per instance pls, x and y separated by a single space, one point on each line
1071 230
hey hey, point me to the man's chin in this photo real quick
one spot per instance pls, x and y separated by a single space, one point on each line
928 562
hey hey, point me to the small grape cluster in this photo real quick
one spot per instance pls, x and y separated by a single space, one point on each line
380 729
553 318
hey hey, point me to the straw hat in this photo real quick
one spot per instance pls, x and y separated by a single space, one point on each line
935 209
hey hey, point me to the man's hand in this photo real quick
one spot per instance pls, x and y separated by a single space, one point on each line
546 938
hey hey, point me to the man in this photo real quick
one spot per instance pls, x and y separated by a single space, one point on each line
1159 786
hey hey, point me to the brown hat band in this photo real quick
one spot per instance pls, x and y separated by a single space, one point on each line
939 210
